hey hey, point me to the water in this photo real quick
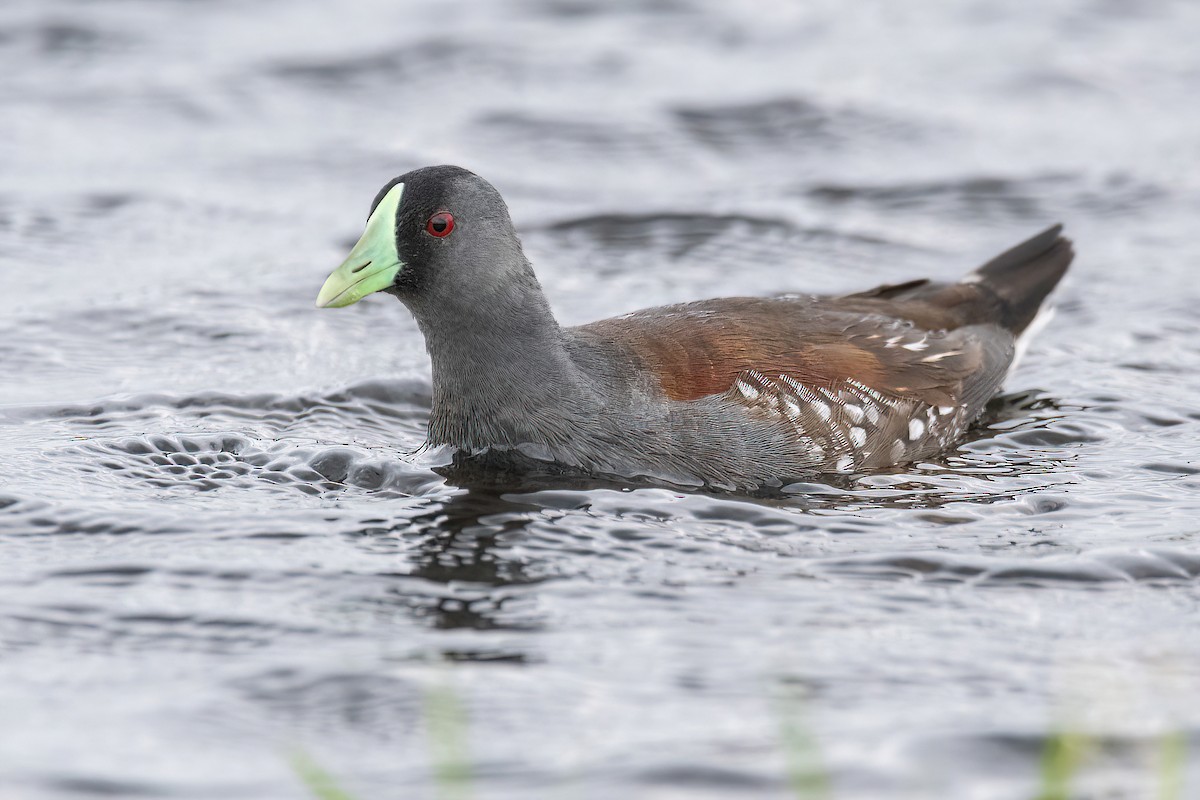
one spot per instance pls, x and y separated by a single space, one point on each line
220 548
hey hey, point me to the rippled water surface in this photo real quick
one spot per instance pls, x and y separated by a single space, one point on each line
221 547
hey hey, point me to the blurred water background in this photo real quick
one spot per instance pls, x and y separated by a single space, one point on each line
218 550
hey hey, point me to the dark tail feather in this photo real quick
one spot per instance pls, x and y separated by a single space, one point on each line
1023 276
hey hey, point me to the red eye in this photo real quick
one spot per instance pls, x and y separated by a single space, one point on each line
440 224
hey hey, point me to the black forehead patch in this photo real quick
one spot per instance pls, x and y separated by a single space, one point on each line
426 186
383 193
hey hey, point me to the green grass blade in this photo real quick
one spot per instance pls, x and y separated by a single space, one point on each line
1061 759
806 771
1172 756
446 723
318 781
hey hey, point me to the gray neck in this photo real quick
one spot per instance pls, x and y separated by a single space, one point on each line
501 373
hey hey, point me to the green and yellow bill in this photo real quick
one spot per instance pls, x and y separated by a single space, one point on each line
373 263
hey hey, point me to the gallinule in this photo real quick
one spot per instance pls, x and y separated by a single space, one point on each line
737 392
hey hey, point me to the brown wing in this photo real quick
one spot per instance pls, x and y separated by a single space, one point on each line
699 349
860 389
868 379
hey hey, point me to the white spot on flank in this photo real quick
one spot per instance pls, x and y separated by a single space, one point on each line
858 436
944 410
897 450
855 413
844 464
921 345
940 356
748 391
822 409
915 429
873 414
892 342
792 410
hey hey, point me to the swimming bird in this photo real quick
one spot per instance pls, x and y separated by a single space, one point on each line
732 393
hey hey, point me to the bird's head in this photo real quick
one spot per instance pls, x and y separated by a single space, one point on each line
433 235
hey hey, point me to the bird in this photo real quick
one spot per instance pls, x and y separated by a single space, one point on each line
737 393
